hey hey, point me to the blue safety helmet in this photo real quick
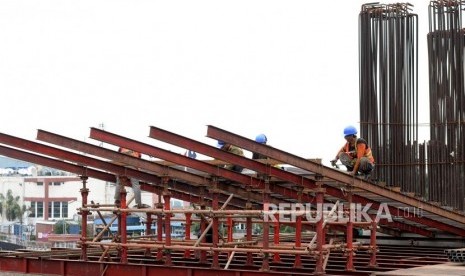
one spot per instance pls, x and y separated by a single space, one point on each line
220 144
350 130
261 138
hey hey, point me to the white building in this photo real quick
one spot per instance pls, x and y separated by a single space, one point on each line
57 197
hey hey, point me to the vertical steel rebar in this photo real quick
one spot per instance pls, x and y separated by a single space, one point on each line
388 54
445 153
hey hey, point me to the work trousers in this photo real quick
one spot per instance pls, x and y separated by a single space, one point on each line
365 165
135 189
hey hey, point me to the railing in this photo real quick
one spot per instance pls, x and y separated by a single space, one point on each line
31 245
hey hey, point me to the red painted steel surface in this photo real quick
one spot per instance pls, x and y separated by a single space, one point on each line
81 268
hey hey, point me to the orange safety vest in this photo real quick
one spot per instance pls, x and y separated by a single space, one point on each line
367 153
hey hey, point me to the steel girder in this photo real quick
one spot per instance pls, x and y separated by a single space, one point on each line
179 189
217 171
216 153
83 171
153 167
250 181
174 174
58 164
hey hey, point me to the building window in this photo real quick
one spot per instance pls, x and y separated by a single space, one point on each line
40 183
37 209
33 210
57 183
64 209
40 209
58 209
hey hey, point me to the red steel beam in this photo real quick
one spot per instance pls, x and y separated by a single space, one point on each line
118 140
73 144
78 158
191 194
217 133
121 158
57 164
85 160
173 173
178 140
406 227
45 266
85 171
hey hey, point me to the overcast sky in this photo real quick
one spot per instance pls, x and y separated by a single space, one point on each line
288 69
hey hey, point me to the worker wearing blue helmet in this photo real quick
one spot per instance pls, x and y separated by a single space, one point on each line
262 139
356 155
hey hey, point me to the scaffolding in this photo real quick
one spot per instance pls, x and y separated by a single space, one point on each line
162 248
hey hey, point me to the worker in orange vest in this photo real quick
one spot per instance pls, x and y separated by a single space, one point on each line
355 154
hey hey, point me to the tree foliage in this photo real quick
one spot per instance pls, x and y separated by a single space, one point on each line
10 208
61 227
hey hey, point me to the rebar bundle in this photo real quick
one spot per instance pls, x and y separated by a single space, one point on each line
445 150
388 54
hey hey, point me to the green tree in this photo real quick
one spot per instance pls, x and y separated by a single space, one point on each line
61 227
9 206
287 229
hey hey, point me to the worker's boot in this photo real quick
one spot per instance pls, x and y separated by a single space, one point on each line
117 205
141 206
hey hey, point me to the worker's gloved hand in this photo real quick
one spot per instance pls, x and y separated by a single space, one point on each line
333 163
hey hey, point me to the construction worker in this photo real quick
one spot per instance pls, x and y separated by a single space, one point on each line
209 234
262 139
232 149
355 154
134 182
